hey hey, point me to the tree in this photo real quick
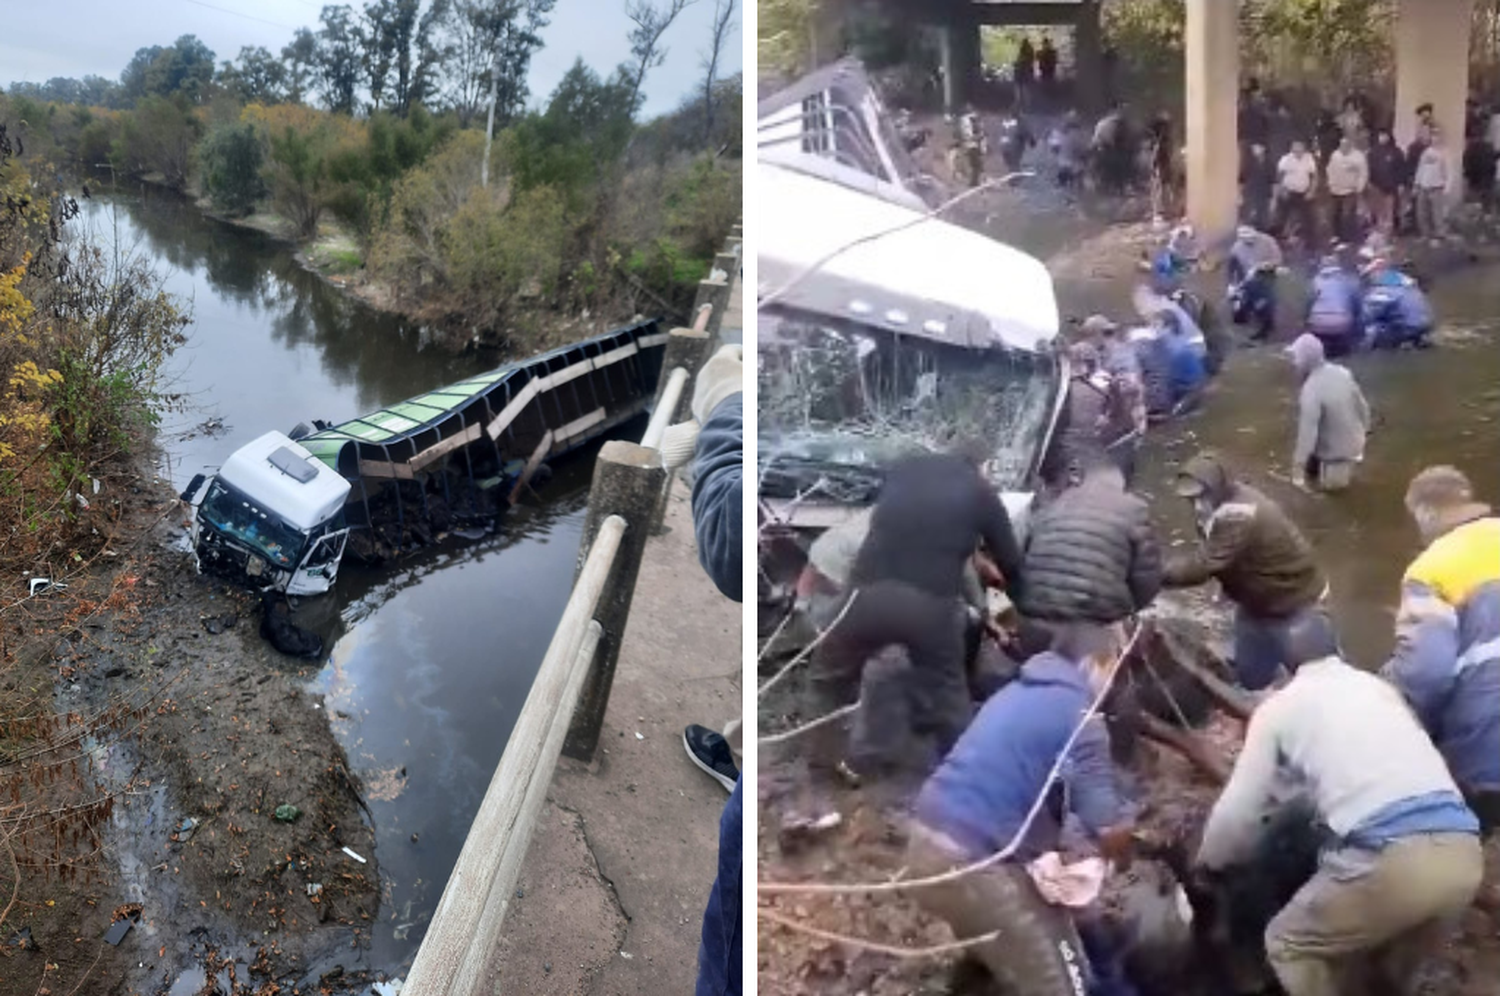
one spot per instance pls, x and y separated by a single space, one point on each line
645 39
584 129
375 34
723 27
298 174
231 159
493 36
256 77
420 83
158 138
301 58
339 58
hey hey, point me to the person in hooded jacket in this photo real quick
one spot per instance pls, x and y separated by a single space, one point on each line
1394 310
1388 179
1254 261
1091 553
1447 657
976 804
1333 419
1263 564
1334 309
906 589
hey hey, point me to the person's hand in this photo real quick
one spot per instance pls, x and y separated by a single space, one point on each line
722 377
989 574
1117 846
678 444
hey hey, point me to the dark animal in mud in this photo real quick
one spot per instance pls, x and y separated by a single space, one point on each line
286 636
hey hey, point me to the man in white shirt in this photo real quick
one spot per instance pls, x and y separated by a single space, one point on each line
1430 187
1296 182
1405 857
1348 176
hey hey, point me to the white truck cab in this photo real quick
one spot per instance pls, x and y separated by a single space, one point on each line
272 517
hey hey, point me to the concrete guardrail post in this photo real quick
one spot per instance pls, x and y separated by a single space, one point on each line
689 349
628 481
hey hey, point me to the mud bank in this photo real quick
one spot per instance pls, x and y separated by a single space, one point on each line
227 735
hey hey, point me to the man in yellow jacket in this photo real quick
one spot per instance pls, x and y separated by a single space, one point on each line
1447 658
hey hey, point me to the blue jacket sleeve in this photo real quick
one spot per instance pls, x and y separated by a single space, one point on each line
1427 647
718 515
1089 776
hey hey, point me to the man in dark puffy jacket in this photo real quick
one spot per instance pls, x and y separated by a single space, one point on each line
906 589
1260 559
1091 554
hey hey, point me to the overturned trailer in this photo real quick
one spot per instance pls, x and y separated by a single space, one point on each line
282 511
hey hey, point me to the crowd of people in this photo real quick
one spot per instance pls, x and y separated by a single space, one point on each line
1399 767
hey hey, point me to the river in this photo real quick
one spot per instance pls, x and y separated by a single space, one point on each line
429 661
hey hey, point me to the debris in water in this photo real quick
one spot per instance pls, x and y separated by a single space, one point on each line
470 533
400 932
355 856
287 813
184 831
391 988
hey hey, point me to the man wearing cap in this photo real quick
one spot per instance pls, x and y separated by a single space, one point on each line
1333 419
1404 857
1261 560
1447 658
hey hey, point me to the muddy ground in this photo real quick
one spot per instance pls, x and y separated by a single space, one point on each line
218 729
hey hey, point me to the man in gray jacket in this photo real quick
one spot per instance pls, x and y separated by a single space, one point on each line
1332 422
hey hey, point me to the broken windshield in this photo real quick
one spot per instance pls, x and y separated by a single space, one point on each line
233 513
839 400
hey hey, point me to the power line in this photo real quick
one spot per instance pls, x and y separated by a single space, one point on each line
249 17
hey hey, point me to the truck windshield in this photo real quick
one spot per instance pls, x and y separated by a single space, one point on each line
232 512
839 399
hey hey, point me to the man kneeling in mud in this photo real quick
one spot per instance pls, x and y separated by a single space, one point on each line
977 804
905 589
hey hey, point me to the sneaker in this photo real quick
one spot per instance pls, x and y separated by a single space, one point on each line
709 751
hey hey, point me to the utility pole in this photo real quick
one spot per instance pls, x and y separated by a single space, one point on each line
489 129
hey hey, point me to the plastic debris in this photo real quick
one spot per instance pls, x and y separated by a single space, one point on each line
355 856
117 933
183 832
40 586
391 988
287 814
315 888
22 939
639 735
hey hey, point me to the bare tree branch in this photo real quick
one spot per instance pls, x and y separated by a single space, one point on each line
723 27
650 23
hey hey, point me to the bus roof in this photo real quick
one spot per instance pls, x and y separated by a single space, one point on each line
930 278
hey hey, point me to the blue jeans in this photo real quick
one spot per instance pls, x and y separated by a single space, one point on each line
719 962
1260 647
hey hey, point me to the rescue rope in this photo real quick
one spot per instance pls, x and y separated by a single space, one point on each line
807 651
953 875
895 951
797 731
817 264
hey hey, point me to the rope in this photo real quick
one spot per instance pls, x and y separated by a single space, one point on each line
808 650
824 260
895 951
797 731
822 888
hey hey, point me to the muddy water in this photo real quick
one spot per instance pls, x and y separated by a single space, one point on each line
429 663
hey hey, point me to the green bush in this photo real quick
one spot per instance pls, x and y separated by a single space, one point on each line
496 252
298 175
230 158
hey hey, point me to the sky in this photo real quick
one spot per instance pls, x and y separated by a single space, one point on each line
79 37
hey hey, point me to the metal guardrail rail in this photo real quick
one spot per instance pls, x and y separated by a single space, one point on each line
564 712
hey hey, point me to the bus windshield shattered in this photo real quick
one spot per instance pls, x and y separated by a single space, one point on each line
840 399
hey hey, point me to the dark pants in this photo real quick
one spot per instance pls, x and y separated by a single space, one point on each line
1255 303
1346 218
1256 210
719 963
886 614
1298 208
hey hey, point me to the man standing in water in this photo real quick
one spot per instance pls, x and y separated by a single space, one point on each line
1332 422
1261 560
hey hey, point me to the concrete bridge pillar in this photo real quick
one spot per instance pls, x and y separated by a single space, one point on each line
1213 70
958 37
1432 67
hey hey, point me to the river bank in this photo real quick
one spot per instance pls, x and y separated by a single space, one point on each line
228 735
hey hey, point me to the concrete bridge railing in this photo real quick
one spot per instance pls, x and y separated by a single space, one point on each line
564 711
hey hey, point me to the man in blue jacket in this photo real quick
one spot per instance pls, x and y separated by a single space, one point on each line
977 801
718 523
1334 309
1395 311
